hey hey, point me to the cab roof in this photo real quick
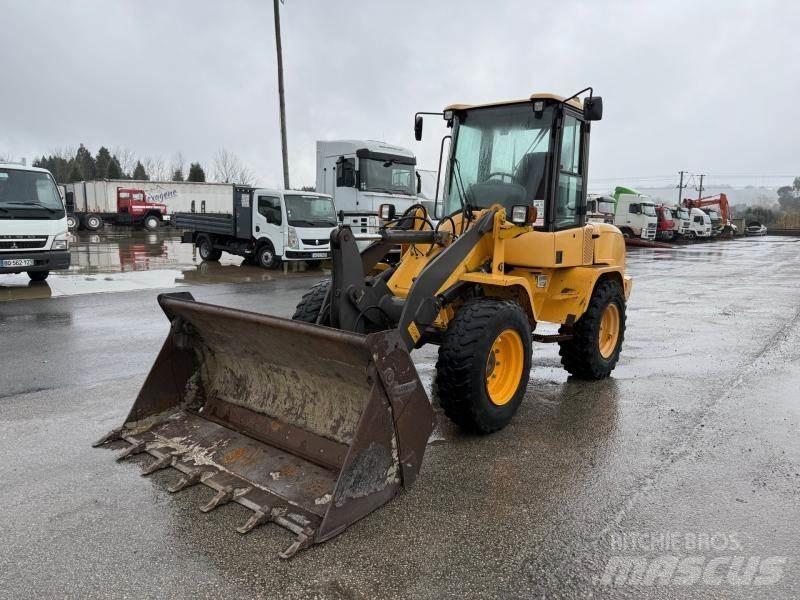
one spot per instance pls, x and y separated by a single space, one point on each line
21 167
574 102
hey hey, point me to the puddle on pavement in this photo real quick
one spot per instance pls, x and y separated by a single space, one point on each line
117 260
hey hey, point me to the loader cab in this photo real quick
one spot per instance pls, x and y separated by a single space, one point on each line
531 152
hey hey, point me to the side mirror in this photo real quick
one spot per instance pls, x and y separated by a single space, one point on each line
418 127
386 212
419 182
593 108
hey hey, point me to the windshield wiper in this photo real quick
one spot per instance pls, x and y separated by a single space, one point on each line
5 210
39 204
296 223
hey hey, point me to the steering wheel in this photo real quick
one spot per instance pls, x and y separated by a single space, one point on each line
501 175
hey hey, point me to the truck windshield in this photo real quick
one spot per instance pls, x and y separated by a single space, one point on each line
648 210
387 176
30 192
309 211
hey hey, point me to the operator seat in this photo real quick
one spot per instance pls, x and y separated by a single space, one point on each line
531 175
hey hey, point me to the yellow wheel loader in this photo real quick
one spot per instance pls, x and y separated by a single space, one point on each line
314 422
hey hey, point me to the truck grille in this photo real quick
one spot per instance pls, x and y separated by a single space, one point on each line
315 242
22 242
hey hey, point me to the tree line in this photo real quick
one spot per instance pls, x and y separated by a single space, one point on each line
786 213
69 166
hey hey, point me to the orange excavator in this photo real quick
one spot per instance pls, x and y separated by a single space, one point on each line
720 200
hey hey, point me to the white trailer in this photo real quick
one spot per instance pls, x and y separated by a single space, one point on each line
361 175
130 201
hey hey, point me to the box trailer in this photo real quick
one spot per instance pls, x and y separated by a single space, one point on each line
90 204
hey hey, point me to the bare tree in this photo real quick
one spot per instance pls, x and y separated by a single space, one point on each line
229 169
156 168
6 157
126 159
177 163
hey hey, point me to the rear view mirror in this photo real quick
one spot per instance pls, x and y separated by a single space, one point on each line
593 108
418 127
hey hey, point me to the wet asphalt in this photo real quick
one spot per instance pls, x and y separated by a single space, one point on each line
690 450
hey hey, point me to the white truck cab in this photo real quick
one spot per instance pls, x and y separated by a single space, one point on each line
699 224
635 215
33 222
599 209
361 175
681 220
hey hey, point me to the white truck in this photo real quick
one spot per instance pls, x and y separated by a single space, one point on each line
700 224
264 226
90 204
33 223
361 175
600 209
635 214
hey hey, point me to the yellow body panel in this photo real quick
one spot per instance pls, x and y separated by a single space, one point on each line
550 274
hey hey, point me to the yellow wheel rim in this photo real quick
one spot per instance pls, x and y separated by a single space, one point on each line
504 367
609 330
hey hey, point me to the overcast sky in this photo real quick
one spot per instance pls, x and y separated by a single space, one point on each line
707 86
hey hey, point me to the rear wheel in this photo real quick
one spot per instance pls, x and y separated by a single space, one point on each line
597 336
484 364
93 222
38 275
207 251
151 222
313 303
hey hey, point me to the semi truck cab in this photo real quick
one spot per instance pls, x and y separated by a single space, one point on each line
635 215
361 175
33 223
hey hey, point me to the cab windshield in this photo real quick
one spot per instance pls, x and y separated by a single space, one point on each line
31 192
649 210
387 176
309 211
500 157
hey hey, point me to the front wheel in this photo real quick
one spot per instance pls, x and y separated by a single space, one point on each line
315 305
72 222
597 336
265 256
38 275
151 222
484 364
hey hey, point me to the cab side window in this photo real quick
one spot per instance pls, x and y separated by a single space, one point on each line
634 209
346 172
269 207
570 178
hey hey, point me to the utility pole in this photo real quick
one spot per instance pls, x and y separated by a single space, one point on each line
700 189
282 101
680 188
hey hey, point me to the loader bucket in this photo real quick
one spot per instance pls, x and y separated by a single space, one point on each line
309 427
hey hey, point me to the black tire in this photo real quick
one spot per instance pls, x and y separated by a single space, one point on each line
207 251
93 222
581 356
626 233
462 368
313 302
73 222
266 258
152 222
38 275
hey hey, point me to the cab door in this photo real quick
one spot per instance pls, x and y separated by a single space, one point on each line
569 206
268 219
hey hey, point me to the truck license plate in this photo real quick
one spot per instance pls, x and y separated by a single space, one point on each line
319 255
16 262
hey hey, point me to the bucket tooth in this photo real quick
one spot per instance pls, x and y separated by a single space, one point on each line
160 463
187 480
223 496
261 516
303 540
135 448
111 436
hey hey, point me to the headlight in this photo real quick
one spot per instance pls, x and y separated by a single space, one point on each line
293 241
60 243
